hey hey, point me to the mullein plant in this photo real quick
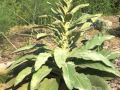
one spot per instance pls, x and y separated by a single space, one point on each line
66 67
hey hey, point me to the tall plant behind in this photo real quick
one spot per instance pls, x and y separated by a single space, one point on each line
21 12
30 10
66 67
6 16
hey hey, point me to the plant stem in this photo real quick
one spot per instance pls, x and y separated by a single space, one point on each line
22 18
8 40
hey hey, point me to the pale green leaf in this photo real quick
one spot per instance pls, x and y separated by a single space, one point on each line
85 26
97 40
110 54
41 35
76 8
3 78
60 56
54 11
10 83
43 16
90 55
41 59
21 60
113 55
62 10
105 52
98 83
101 67
82 82
38 76
74 79
65 3
84 18
59 17
24 87
95 18
68 71
44 85
25 72
24 48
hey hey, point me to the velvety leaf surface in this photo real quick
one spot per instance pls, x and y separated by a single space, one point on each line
98 83
22 60
25 72
3 78
97 40
60 56
110 54
41 35
74 79
38 76
90 55
49 84
41 59
76 8
101 67
25 48
85 26
10 83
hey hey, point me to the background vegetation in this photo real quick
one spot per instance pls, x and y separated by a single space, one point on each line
107 7
17 12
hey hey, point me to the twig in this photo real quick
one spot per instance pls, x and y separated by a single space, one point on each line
8 40
27 35
22 18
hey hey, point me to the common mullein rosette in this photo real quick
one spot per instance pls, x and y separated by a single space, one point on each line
66 67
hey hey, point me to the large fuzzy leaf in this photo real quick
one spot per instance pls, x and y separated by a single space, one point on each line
98 83
10 83
110 54
41 35
113 55
97 40
25 48
22 60
38 76
24 87
101 67
85 26
95 17
65 3
44 85
74 79
85 17
41 59
76 8
54 11
29 47
60 56
90 55
3 78
25 72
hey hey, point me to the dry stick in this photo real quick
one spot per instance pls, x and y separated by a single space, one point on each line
26 35
8 40
30 40
22 18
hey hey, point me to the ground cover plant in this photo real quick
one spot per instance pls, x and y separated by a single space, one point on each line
66 67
